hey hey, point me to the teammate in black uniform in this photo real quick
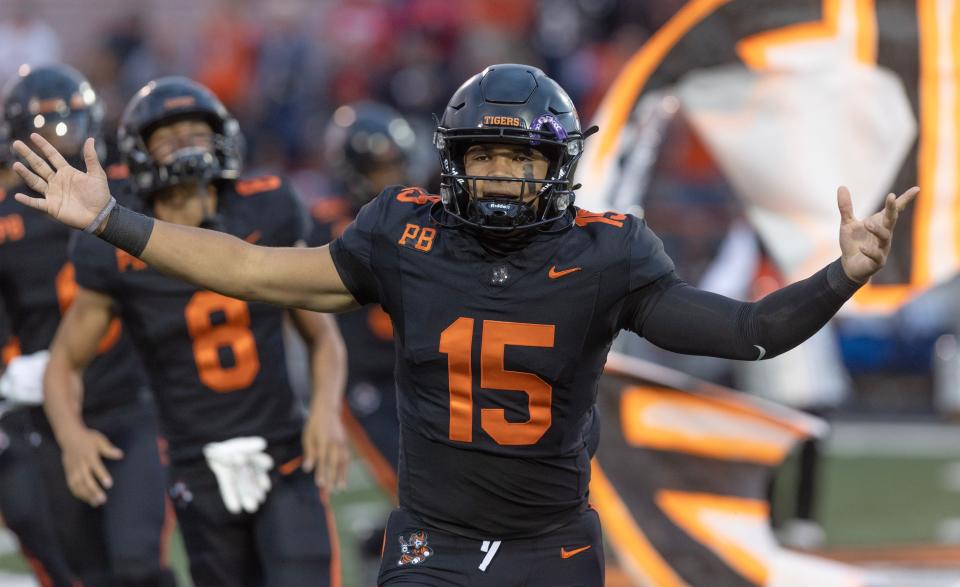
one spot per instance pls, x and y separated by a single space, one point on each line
367 148
504 300
119 543
249 512
20 478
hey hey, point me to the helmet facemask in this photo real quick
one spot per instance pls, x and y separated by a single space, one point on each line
166 102
554 193
190 164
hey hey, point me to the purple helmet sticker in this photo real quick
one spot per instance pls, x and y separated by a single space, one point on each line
550 121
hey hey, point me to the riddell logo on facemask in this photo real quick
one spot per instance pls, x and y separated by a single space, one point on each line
502 121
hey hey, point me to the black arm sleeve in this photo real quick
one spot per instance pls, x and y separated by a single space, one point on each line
681 318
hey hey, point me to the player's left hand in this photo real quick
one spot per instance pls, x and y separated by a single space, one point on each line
325 451
865 244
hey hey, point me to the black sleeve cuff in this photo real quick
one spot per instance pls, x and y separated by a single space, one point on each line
838 281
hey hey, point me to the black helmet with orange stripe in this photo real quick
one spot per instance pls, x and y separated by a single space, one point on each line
166 101
512 104
55 101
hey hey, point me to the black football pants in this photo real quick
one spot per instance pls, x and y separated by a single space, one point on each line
122 542
290 541
23 501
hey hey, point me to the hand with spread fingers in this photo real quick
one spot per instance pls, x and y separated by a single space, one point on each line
865 244
71 196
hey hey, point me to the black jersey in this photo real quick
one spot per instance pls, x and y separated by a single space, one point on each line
216 364
37 285
498 355
367 332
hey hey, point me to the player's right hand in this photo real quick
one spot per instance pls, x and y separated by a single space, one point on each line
69 195
83 466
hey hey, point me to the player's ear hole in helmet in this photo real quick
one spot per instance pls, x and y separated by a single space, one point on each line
515 105
367 147
55 101
162 104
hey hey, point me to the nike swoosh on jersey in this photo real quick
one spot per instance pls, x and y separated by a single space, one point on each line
554 274
564 553
253 237
762 350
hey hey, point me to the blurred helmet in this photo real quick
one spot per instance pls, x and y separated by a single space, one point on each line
55 101
363 138
513 104
166 101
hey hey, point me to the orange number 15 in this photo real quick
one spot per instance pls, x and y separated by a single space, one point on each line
457 343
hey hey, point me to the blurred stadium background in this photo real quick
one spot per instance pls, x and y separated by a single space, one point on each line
886 493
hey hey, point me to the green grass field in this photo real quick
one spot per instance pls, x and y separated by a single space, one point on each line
885 484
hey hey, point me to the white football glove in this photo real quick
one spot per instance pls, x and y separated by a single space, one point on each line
22 382
242 468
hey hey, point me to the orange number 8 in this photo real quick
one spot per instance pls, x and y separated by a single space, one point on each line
208 339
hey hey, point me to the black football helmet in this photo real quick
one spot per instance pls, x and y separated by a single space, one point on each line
515 104
360 139
166 101
55 101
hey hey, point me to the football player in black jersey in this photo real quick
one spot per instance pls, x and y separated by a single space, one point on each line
367 148
504 299
119 543
241 457
20 478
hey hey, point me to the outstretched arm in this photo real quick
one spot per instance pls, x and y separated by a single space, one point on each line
681 318
297 277
688 320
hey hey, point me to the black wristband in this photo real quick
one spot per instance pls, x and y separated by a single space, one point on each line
838 281
127 230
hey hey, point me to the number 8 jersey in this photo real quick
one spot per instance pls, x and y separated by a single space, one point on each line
498 355
216 364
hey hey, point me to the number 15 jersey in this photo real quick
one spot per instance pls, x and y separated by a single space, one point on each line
498 355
